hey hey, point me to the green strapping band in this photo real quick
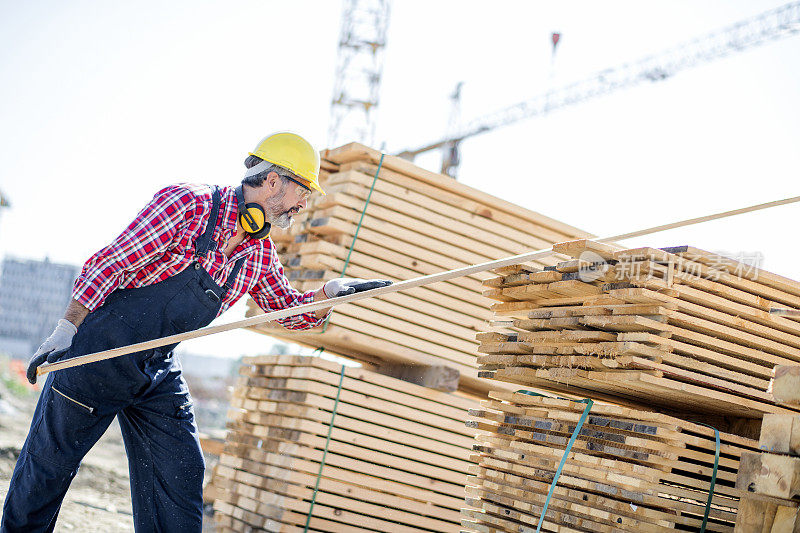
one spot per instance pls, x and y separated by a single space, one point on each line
572 439
571 442
713 477
325 451
355 235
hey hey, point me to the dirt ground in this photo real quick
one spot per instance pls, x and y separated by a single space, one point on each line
98 500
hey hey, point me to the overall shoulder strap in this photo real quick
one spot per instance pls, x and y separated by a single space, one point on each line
203 243
232 276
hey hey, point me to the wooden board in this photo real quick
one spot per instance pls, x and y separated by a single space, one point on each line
785 386
758 516
396 455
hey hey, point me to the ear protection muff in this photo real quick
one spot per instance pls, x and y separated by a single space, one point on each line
252 217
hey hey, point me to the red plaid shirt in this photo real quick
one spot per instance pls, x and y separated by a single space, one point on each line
159 243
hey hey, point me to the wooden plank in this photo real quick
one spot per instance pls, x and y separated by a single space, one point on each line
326 517
480 211
366 249
402 226
354 338
441 403
632 474
360 512
769 474
579 247
303 388
291 479
641 387
528 492
371 448
386 479
354 412
302 485
687 268
756 516
608 480
390 185
707 338
737 268
354 195
401 335
758 319
780 434
357 152
446 295
437 377
785 386
717 358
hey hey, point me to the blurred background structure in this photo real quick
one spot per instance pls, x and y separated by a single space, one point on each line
33 296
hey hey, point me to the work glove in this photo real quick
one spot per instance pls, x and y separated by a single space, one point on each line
52 348
344 286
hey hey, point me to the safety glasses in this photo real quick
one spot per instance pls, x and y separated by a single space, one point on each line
303 192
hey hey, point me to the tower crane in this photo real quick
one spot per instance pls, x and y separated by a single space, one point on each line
768 26
359 66
450 154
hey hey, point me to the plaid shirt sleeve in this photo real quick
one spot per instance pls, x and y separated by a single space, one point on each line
145 239
273 292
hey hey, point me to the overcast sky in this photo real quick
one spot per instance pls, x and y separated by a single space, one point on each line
104 103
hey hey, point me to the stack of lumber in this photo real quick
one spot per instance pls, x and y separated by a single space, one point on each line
628 470
417 223
397 458
771 479
678 328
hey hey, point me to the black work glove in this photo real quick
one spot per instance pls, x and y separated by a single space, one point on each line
344 286
53 348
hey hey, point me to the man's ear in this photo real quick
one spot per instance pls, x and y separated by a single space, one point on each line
273 182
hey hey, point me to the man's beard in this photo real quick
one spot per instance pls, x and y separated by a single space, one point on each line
275 211
283 221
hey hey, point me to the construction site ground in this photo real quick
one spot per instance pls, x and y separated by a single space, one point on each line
99 498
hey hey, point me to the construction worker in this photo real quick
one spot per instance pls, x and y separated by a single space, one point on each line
191 253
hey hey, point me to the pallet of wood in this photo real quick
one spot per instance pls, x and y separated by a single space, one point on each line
628 470
681 328
396 458
416 223
770 479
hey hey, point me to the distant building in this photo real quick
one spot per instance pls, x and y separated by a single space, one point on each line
33 296
4 201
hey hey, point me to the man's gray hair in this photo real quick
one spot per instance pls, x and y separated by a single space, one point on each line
257 179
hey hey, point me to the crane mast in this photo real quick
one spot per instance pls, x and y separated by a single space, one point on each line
359 66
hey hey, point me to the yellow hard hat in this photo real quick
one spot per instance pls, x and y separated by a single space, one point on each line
292 152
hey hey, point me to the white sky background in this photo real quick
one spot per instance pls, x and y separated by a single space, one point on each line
104 103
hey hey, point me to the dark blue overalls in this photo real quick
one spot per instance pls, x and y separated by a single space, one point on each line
145 390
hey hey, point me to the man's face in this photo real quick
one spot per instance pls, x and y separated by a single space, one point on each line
289 200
